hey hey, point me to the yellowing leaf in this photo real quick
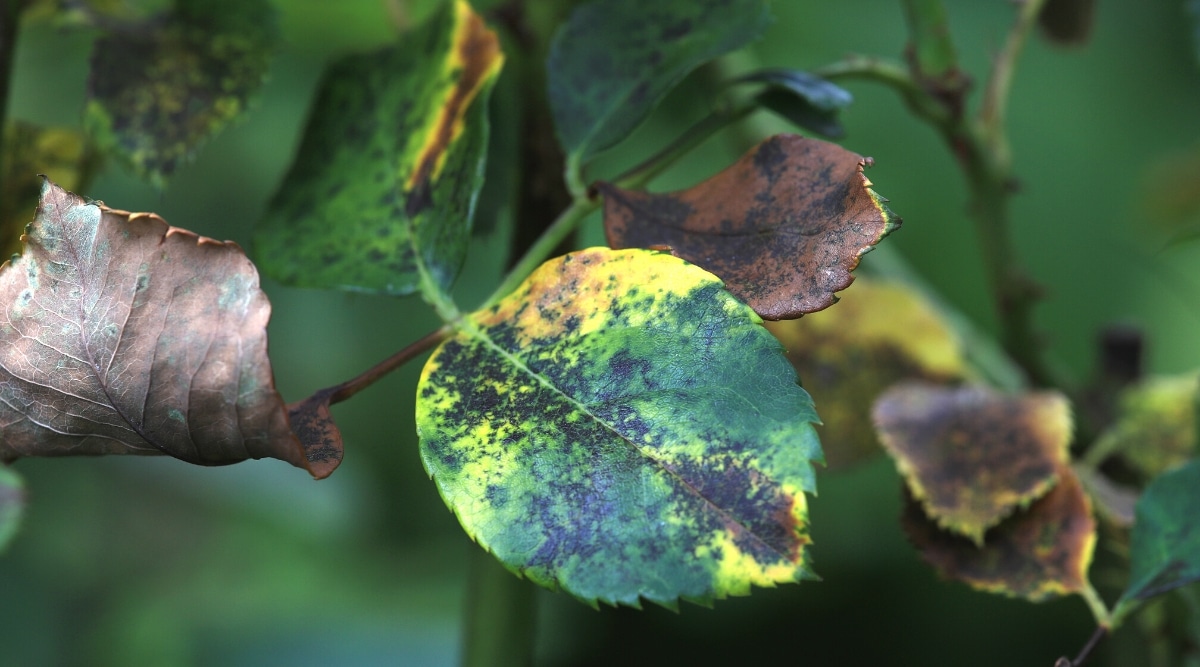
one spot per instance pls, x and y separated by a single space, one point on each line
878 334
972 456
1156 427
622 428
58 153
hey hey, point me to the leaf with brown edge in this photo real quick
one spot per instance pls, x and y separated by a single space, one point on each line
783 226
1038 553
879 334
124 335
972 456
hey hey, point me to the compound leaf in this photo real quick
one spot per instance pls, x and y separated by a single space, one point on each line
783 226
623 428
613 61
12 504
123 335
879 334
1040 552
159 89
972 456
1165 546
381 195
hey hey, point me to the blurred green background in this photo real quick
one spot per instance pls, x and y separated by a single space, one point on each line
126 561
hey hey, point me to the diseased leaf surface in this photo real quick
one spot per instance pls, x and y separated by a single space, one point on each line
123 335
318 434
614 60
383 190
57 152
972 456
160 89
1165 546
623 428
783 226
879 334
1040 552
12 504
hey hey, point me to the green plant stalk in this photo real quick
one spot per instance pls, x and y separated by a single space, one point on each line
932 50
10 14
500 610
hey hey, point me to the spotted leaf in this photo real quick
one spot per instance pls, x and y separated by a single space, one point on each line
972 456
613 61
383 190
879 334
161 88
783 226
623 428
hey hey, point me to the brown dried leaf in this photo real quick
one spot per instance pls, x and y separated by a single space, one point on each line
313 425
783 226
879 334
123 335
972 456
1040 552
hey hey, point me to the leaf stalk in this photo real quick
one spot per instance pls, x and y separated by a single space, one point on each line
345 390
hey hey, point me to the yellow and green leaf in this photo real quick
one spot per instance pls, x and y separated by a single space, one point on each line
158 91
1156 427
879 333
382 193
59 153
622 428
972 456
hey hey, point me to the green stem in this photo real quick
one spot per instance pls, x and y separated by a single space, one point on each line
932 50
500 614
10 14
995 96
557 231
895 76
695 135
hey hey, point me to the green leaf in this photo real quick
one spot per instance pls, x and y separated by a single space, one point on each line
1156 425
613 61
1038 553
124 335
879 333
783 226
623 428
1165 546
972 456
381 195
12 504
160 89
803 99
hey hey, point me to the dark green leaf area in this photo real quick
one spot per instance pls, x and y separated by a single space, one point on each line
12 504
382 192
613 61
1165 546
622 428
157 91
805 100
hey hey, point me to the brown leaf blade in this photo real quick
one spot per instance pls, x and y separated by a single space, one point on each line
783 226
972 456
1038 553
123 335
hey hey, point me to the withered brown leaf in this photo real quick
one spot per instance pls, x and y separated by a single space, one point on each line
783 226
123 335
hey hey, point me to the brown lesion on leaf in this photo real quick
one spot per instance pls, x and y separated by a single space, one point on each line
1038 553
476 57
972 456
318 434
784 226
